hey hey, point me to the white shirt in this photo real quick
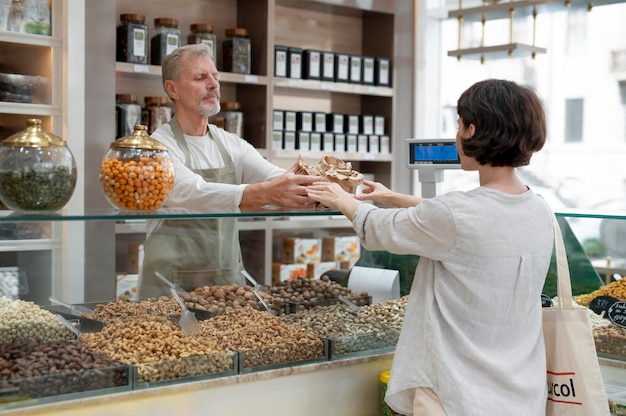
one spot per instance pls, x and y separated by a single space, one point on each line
472 330
193 192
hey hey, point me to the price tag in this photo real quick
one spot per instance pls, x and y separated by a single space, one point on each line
617 314
293 82
142 69
546 301
252 79
326 86
602 304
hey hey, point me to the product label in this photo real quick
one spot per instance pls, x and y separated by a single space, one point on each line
383 73
316 142
340 142
320 122
329 142
368 71
355 71
290 140
304 141
211 44
277 140
281 64
290 120
328 66
342 68
139 43
172 43
278 120
314 64
295 68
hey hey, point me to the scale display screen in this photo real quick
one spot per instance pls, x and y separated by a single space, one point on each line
433 153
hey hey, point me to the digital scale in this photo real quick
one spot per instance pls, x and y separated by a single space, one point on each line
431 157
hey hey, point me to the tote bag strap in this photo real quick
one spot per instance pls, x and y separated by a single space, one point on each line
563 283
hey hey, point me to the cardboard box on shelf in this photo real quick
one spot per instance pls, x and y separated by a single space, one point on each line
316 270
126 286
135 258
301 250
285 272
341 249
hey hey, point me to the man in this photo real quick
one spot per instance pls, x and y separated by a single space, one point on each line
213 168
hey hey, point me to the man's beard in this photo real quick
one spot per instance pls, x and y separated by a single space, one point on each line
209 110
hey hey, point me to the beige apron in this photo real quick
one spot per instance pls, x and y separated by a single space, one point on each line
193 252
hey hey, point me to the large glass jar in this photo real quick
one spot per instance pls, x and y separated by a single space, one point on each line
37 170
132 39
236 51
137 172
203 33
166 38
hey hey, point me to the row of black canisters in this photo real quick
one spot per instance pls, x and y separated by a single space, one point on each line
320 122
297 63
306 141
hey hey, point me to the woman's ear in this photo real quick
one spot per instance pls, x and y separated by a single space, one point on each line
471 130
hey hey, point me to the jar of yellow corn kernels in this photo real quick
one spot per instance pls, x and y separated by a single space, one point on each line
137 172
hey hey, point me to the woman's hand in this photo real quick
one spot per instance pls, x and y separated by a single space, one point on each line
333 196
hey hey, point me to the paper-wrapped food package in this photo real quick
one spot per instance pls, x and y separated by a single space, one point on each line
335 170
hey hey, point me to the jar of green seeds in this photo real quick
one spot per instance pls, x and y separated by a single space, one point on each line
37 170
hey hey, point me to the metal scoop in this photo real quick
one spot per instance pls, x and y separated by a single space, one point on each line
251 279
188 322
74 309
256 289
351 304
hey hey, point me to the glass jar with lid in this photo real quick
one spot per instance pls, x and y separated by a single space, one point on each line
37 170
166 38
127 114
157 112
132 39
236 51
137 172
233 117
204 33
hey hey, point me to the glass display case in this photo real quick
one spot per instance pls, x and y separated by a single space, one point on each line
591 238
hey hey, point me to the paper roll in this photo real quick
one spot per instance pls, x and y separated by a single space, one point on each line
380 284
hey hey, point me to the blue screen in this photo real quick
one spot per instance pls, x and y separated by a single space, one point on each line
434 153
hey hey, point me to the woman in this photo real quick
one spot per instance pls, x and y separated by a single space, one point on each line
472 342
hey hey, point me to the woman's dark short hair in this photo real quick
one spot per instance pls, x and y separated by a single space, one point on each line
509 119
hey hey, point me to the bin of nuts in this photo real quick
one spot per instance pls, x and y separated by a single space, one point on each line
137 172
262 339
32 369
350 332
160 351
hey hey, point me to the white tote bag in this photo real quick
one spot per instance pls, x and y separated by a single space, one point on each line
575 386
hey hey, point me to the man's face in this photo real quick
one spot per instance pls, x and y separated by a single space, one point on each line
198 89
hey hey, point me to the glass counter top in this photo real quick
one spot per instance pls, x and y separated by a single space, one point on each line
72 214
69 214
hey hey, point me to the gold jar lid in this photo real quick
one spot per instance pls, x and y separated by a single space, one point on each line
166 21
202 27
138 140
132 17
33 136
236 31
